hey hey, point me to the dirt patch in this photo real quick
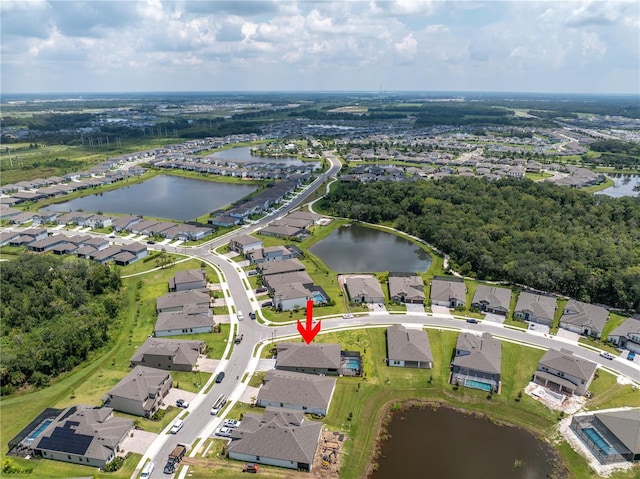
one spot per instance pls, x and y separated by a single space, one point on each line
326 463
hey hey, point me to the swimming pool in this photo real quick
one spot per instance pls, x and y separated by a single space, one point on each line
318 297
39 430
472 383
598 442
352 363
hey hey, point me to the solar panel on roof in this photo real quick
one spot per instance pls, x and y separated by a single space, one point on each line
65 439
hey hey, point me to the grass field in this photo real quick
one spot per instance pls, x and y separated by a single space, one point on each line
87 383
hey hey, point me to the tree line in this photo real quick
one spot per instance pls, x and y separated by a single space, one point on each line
541 235
55 312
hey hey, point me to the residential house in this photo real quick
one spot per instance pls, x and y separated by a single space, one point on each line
223 220
86 435
298 391
140 392
564 373
290 296
169 354
136 249
283 231
279 437
244 243
314 358
364 289
408 348
619 429
279 267
307 216
179 300
192 319
492 299
406 288
477 362
584 318
535 307
188 279
448 291
627 335
273 281
47 244
273 253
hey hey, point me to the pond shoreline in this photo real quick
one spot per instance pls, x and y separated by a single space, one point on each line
393 407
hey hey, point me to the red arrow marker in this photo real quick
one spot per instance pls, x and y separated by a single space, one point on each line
309 332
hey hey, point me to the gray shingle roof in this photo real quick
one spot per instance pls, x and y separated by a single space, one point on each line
140 383
627 327
298 389
408 344
278 434
444 290
494 296
188 276
584 314
485 353
298 355
363 286
567 363
183 298
540 306
410 286
182 351
625 425
189 317
85 431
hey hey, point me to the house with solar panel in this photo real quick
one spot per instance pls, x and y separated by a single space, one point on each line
87 435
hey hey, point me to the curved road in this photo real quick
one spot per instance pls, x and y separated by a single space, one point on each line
241 363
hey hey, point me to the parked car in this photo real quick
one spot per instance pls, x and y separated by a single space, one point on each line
240 315
261 289
252 315
267 304
148 469
177 426
347 316
151 242
231 423
182 403
250 467
224 432
252 272
472 321
220 377
606 355
631 356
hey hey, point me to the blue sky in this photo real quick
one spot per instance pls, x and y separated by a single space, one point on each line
264 45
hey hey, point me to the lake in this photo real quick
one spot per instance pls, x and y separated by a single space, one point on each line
360 249
624 185
164 196
447 444
242 154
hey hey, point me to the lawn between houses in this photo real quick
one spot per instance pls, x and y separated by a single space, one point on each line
360 404
89 382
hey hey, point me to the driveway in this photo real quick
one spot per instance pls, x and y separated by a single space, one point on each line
207 364
139 442
414 308
494 318
435 309
175 394
565 333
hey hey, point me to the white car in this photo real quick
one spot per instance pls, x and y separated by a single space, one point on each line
606 355
231 423
224 432
347 316
177 426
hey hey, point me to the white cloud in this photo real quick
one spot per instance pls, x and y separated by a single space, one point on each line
289 44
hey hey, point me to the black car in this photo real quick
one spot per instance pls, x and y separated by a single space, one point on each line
170 467
267 304
252 315
220 377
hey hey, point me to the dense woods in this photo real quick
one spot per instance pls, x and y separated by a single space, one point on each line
537 234
54 312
